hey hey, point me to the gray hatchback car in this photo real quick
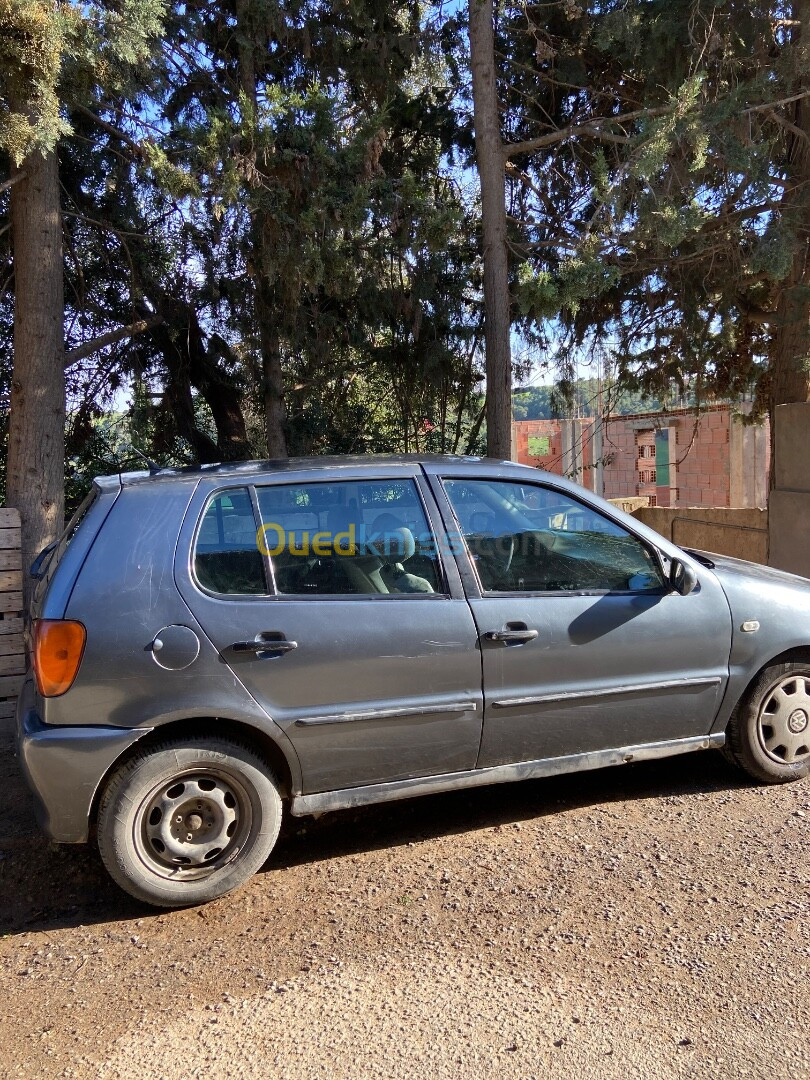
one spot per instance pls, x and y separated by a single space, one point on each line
211 646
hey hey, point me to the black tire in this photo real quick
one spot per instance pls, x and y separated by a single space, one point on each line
188 820
769 734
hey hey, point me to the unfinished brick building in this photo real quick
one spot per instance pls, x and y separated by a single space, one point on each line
677 458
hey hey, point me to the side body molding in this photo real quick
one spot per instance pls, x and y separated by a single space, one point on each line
499 774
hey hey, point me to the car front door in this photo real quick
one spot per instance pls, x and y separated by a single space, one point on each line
584 645
341 620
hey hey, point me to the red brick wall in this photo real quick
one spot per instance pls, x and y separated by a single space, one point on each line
621 470
524 429
558 460
701 470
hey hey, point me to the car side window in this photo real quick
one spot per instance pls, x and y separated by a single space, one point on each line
227 559
527 538
350 537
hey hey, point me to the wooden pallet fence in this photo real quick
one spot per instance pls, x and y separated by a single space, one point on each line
12 649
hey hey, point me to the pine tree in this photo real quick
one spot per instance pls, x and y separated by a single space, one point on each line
37 37
658 175
313 139
32 39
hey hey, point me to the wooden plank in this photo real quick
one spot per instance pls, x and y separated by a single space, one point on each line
9 538
10 559
12 665
11 685
9 518
10 580
12 624
12 645
10 601
8 709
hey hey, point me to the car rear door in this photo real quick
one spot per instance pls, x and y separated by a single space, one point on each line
584 646
366 657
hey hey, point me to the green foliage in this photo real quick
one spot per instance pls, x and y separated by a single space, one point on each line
288 180
274 175
321 170
662 241
34 36
53 52
585 397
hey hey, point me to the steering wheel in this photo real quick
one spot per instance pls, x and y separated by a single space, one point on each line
493 555
508 555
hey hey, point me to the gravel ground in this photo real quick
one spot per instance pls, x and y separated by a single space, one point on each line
649 921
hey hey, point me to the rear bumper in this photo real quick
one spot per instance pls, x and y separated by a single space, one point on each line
64 767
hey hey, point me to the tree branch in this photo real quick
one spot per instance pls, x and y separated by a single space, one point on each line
115 132
110 338
782 121
766 105
14 180
591 127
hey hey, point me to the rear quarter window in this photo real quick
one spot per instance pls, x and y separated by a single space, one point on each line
227 559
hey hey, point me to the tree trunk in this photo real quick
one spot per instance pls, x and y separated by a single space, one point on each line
490 161
225 402
190 362
789 357
36 441
178 401
275 410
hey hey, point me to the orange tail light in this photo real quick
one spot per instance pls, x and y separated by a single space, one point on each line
58 648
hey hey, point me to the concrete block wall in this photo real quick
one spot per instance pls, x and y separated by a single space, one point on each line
740 533
789 519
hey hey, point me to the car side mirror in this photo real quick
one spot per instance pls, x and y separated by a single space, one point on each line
682 578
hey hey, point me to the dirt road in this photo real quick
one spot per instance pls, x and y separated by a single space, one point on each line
649 921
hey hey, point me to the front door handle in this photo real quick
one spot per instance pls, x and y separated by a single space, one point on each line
264 643
507 636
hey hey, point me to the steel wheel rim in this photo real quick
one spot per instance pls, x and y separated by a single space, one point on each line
783 724
193 824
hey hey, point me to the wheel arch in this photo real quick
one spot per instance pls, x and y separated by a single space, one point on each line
285 771
796 655
744 746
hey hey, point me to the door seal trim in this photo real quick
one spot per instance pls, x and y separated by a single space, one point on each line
324 801
387 714
634 688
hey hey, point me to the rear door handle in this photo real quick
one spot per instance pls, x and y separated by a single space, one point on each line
507 636
265 643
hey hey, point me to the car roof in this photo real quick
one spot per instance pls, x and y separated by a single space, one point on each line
233 469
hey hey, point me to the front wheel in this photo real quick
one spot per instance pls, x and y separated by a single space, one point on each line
769 734
188 820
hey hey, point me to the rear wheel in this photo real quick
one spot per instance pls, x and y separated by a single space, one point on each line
769 734
188 820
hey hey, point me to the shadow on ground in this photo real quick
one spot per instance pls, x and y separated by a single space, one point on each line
45 886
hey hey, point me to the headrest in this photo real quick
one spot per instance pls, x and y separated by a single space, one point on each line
391 540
